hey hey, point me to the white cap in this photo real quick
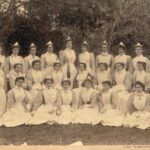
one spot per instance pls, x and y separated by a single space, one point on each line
49 43
68 39
138 45
32 45
104 42
16 44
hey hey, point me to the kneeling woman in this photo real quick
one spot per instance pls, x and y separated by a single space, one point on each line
18 106
138 108
44 107
87 111
67 102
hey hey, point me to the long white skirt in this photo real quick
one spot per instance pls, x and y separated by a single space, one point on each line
85 115
44 114
2 101
138 119
15 116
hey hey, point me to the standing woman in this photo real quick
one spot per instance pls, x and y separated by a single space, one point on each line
122 57
18 106
67 58
105 57
138 108
14 58
31 57
48 59
87 58
139 57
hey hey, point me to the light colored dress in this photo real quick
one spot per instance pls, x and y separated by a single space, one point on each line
57 78
47 62
45 104
67 59
28 61
16 113
138 111
89 60
3 62
87 111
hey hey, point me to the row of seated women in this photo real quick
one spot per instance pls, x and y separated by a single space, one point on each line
110 106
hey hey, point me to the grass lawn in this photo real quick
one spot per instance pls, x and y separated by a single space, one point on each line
67 134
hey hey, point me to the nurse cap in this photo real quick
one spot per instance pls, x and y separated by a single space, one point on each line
49 77
68 39
66 80
105 43
85 43
138 45
57 62
49 43
32 45
15 44
121 44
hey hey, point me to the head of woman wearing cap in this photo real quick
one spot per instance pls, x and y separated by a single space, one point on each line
82 66
138 49
57 66
19 81
33 49
121 48
106 85
17 67
139 87
88 83
36 65
68 43
119 66
141 65
102 66
15 49
104 47
50 47
85 46
66 83
48 82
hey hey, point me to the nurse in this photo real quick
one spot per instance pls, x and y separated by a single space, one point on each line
87 58
31 57
67 58
14 58
48 59
122 57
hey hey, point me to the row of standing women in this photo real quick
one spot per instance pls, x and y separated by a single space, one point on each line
107 90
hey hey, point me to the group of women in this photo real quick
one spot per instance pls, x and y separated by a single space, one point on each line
85 89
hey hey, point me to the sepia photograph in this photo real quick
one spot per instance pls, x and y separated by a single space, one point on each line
75 73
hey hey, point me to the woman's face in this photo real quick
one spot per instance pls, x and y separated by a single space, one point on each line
140 66
33 50
81 67
119 67
19 83
87 84
84 48
50 48
106 87
57 67
138 88
18 68
138 50
37 66
69 45
102 67
48 83
104 48
15 50
121 51
66 85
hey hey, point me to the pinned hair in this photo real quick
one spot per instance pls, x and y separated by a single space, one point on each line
35 61
19 78
140 84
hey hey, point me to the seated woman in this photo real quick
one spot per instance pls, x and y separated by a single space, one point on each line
57 75
87 105
18 106
44 106
67 102
35 78
138 108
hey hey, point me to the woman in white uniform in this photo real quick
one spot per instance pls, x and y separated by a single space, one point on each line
14 58
31 57
139 57
18 106
105 57
87 58
67 102
67 58
45 105
122 57
138 108
57 75
48 59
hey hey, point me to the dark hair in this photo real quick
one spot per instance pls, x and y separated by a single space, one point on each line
35 61
82 64
143 63
68 81
140 84
46 79
107 82
56 63
19 78
15 65
87 80
121 63
106 65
